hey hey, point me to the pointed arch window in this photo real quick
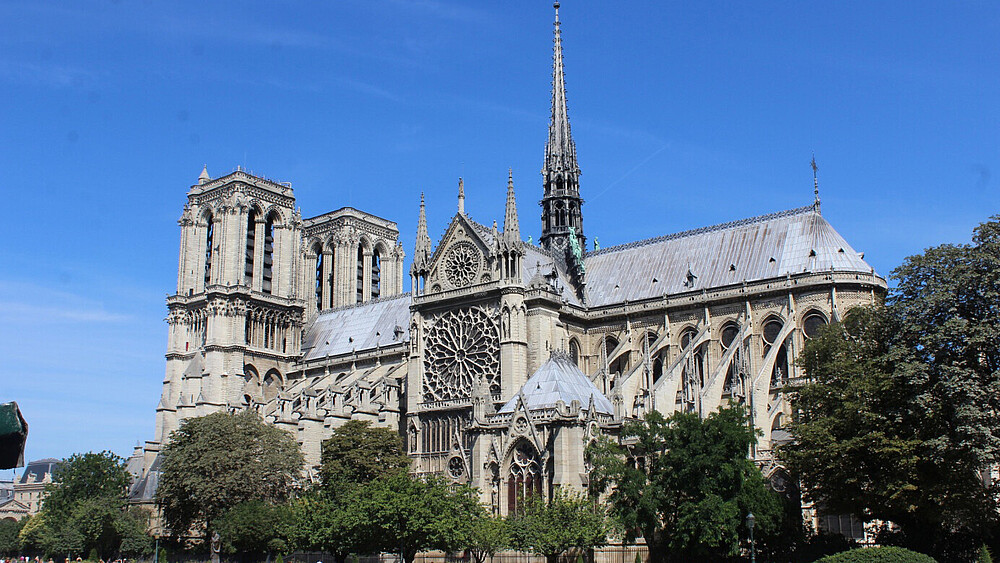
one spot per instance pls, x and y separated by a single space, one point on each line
318 289
693 374
772 329
376 273
251 248
268 254
733 385
209 242
524 479
574 351
361 274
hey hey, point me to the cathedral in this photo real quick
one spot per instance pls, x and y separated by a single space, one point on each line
505 358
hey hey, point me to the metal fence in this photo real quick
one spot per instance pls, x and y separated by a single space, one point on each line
615 553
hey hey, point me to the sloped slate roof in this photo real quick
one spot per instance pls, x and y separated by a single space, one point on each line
358 327
559 379
36 470
768 246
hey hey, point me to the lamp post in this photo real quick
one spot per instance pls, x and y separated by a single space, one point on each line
753 547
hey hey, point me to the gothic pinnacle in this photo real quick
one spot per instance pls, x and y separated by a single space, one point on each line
461 196
422 251
511 229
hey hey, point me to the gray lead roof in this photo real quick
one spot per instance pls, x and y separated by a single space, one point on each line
769 246
365 326
559 379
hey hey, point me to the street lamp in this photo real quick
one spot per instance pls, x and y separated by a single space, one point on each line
753 548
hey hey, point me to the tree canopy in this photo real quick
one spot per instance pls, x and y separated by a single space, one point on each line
86 476
550 528
356 454
213 463
85 511
406 514
900 418
685 483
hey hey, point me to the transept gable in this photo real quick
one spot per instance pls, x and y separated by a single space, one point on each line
463 256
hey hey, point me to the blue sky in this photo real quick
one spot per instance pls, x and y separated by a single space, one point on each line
685 114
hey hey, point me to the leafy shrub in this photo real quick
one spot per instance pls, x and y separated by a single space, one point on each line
878 555
984 555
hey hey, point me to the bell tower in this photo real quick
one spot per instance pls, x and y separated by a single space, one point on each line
562 216
236 321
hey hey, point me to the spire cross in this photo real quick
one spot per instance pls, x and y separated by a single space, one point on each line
815 181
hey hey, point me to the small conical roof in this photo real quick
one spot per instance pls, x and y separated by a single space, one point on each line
204 177
559 379
511 229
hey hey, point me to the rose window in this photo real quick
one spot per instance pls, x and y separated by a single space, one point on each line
456 468
461 265
461 346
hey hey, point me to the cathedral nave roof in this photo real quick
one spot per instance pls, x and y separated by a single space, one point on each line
382 322
768 246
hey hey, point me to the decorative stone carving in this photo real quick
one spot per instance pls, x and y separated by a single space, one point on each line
460 347
462 264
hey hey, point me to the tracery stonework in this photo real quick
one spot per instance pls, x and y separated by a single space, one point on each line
460 347
462 264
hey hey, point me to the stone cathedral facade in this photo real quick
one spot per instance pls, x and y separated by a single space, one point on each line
507 358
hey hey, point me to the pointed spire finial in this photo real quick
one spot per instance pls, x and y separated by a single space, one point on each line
511 228
815 183
422 248
204 177
561 202
461 196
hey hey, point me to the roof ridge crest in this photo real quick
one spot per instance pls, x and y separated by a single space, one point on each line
702 230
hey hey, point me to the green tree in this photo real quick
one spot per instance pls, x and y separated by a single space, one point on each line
338 527
215 462
685 483
31 537
488 535
254 529
568 521
356 454
900 418
85 510
406 514
86 476
9 530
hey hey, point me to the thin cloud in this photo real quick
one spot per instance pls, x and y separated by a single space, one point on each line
29 313
53 75
31 308
370 89
443 10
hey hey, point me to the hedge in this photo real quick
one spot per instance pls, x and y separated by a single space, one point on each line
878 555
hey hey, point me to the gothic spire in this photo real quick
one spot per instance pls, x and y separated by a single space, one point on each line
561 202
204 177
560 151
422 251
461 196
511 229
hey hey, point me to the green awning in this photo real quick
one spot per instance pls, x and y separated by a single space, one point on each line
13 434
